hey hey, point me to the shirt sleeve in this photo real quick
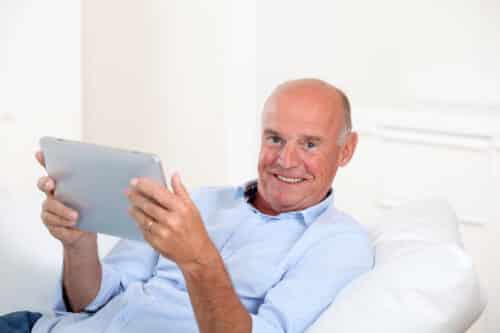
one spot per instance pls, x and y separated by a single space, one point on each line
308 287
128 262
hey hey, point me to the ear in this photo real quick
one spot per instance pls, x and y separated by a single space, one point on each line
347 149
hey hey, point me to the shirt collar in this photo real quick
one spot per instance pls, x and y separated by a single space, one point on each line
308 215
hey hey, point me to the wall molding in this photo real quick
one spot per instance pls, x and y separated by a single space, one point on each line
433 137
6 117
496 143
478 123
476 131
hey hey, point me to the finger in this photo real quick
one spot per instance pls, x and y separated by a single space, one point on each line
46 185
61 232
155 191
40 158
52 220
144 222
140 218
150 228
58 208
154 234
147 205
178 187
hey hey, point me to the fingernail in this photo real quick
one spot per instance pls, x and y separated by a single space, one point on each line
73 215
134 181
47 184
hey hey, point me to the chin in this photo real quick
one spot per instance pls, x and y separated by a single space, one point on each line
282 197
286 205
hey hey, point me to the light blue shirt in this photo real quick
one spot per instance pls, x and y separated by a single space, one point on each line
286 270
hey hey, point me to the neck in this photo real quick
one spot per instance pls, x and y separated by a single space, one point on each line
261 205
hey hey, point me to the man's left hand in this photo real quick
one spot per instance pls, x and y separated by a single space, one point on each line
170 222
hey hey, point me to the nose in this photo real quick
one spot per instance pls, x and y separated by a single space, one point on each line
288 157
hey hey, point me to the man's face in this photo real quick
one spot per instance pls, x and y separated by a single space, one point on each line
299 154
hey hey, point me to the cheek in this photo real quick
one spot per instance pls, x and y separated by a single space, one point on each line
318 166
266 159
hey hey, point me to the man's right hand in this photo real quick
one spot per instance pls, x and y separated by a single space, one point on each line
82 271
60 219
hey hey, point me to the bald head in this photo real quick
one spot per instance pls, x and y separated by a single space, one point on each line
303 143
318 92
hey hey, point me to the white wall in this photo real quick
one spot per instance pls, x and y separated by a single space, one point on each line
39 79
387 52
39 95
120 65
208 84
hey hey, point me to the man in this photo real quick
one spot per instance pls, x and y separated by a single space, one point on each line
269 256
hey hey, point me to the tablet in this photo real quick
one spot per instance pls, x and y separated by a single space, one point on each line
92 179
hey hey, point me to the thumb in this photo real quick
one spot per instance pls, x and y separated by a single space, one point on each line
178 186
40 158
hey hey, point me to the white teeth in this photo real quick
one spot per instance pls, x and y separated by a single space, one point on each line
290 180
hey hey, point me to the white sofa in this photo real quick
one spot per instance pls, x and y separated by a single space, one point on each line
423 281
31 259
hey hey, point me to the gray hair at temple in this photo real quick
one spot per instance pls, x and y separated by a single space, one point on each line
347 118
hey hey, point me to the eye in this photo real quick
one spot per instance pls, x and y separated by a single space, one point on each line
274 139
311 144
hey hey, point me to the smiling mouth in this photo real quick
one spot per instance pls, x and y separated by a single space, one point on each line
289 180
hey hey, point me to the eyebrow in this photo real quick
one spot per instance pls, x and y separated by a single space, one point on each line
313 138
269 131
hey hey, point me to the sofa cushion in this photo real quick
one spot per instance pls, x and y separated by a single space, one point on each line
423 280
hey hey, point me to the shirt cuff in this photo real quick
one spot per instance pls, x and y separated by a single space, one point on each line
110 286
